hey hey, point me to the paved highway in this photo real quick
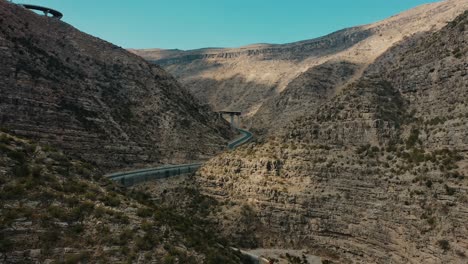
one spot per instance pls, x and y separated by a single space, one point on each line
246 136
129 178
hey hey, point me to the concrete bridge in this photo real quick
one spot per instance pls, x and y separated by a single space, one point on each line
129 178
232 115
46 10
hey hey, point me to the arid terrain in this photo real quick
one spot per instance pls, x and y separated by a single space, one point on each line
359 154
364 157
377 174
95 100
270 83
73 108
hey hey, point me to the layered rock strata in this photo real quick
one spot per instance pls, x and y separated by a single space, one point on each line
377 174
95 100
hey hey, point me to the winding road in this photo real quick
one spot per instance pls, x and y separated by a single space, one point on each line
246 136
129 178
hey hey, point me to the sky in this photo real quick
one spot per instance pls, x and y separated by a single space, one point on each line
191 24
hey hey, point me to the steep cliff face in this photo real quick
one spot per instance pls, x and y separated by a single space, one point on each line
246 78
95 100
431 73
378 173
303 95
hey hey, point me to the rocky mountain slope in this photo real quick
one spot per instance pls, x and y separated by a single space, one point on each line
94 100
58 210
377 173
256 77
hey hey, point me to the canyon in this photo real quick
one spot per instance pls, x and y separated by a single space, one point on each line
359 154
377 173
268 82
73 108
97 101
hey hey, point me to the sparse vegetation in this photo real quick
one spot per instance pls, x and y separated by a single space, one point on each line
413 138
444 244
65 196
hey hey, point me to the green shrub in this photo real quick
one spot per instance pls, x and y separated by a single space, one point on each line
429 183
91 195
125 236
36 171
168 259
17 155
22 170
362 149
119 217
100 211
413 138
76 258
146 242
73 186
110 200
77 229
5 244
147 226
49 238
4 148
449 190
4 138
145 212
81 211
12 191
444 244
435 121
58 212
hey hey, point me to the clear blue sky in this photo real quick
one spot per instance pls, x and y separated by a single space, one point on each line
189 24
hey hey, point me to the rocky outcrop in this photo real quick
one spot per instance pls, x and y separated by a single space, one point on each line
378 173
431 73
332 43
94 100
304 94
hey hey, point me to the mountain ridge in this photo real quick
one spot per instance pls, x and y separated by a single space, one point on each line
95 100
377 173
243 78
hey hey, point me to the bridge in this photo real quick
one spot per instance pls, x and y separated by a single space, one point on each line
129 178
232 115
46 10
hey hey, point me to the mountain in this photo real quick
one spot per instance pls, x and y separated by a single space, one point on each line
256 79
72 108
59 210
96 101
376 173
